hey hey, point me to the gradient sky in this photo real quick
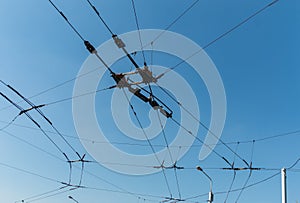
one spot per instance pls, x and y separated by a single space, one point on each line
258 62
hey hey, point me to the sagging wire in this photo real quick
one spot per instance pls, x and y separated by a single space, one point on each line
37 108
49 138
82 161
121 190
40 196
65 185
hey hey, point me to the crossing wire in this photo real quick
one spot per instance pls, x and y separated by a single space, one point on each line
139 30
10 123
170 154
109 29
43 132
202 124
290 133
189 132
175 21
42 194
223 35
250 173
239 189
37 108
52 195
197 138
54 87
122 191
148 140
234 176
58 158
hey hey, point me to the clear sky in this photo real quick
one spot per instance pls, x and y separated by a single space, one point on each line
259 66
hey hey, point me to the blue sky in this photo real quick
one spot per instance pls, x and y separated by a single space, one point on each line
258 63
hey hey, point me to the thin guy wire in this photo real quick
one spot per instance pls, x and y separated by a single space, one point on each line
170 154
296 132
150 144
224 34
139 30
190 133
176 20
10 123
234 175
203 125
238 189
250 173
42 194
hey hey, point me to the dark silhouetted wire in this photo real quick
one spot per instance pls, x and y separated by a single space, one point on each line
139 30
40 112
41 129
54 87
238 189
78 96
100 17
148 140
234 175
118 41
294 164
52 195
66 19
176 20
225 34
10 123
203 125
170 154
295 132
249 176
56 157
192 134
42 194
86 43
